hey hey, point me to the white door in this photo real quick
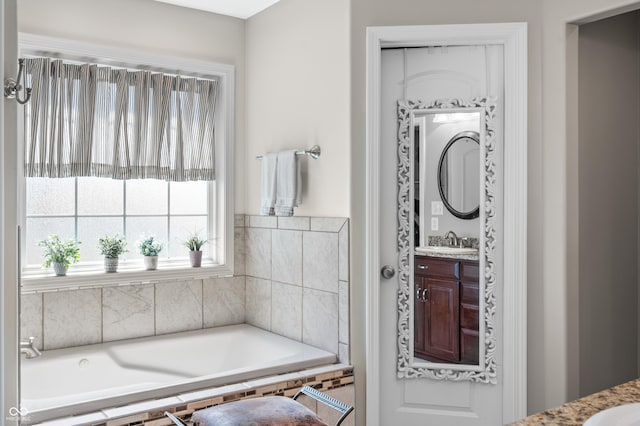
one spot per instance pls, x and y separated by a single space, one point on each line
428 74
10 410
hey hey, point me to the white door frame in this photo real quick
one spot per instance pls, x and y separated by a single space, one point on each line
513 36
9 334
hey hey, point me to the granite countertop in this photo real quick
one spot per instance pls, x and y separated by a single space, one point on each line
578 411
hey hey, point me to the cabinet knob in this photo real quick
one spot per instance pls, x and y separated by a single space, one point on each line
423 267
425 295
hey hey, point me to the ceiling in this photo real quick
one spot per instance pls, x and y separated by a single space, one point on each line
237 8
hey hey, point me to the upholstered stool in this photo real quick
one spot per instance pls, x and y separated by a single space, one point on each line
263 411
269 411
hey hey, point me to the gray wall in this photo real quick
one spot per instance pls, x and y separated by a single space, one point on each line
609 83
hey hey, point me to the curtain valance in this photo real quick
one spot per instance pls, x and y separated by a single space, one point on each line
91 120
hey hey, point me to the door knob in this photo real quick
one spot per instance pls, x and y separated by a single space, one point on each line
387 271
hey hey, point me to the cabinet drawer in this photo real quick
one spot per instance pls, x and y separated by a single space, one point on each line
469 317
470 271
470 294
436 267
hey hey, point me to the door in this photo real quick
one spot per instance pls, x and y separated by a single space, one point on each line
10 412
393 401
419 315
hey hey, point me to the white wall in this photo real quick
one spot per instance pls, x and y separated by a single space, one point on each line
298 96
155 28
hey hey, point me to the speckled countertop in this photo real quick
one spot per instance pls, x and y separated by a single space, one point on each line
578 411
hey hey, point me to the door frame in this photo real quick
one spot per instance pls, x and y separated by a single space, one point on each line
9 292
513 37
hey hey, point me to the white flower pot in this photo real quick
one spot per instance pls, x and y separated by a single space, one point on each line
60 269
150 263
111 264
195 256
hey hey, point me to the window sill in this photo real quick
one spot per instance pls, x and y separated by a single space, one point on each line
76 280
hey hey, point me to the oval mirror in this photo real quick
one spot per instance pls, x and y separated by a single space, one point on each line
459 175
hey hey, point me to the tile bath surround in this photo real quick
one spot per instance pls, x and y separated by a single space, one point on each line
291 277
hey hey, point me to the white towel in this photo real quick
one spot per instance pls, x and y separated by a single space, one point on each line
268 197
288 183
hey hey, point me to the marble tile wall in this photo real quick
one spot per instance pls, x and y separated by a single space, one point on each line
297 282
62 319
292 278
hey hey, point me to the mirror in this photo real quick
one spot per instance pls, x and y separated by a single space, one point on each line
446 302
459 174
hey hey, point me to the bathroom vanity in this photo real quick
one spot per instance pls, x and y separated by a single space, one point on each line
446 317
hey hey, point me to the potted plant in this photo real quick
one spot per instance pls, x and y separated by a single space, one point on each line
194 243
111 247
59 253
150 248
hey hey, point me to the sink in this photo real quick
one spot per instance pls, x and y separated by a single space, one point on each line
623 415
446 250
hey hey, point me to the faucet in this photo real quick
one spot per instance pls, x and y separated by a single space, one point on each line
452 238
29 349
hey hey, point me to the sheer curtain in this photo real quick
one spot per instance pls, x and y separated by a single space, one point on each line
90 120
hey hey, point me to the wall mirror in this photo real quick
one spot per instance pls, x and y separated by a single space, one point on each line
446 301
459 169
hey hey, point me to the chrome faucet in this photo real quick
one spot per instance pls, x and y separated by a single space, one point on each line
452 238
29 349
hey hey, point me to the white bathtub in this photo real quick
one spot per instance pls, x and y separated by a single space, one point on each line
89 378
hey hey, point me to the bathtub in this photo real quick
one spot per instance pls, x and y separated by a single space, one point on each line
89 378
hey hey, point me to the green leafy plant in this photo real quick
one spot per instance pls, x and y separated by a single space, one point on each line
194 242
112 246
58 251
150 247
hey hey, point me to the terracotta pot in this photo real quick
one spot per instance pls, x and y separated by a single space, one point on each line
150 263
111 264
195 256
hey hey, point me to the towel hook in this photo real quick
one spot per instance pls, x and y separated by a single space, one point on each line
11 86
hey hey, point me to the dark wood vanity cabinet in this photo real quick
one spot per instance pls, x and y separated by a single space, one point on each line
446 312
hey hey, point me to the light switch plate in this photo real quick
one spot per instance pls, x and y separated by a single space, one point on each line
437 208
435 224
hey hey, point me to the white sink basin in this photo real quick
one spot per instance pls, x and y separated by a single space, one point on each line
446 250
623 415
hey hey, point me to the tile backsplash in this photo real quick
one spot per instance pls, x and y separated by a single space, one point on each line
291 277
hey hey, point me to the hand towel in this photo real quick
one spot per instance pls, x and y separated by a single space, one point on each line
288 183
268 196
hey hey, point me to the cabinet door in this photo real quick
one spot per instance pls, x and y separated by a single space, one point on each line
443 319
419 318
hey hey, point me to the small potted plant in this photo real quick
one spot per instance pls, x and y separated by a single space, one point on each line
59 253
111 247
150 248
194 243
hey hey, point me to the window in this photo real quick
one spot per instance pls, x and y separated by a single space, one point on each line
170 206
87 208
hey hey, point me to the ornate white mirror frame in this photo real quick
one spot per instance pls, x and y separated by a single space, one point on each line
485 371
